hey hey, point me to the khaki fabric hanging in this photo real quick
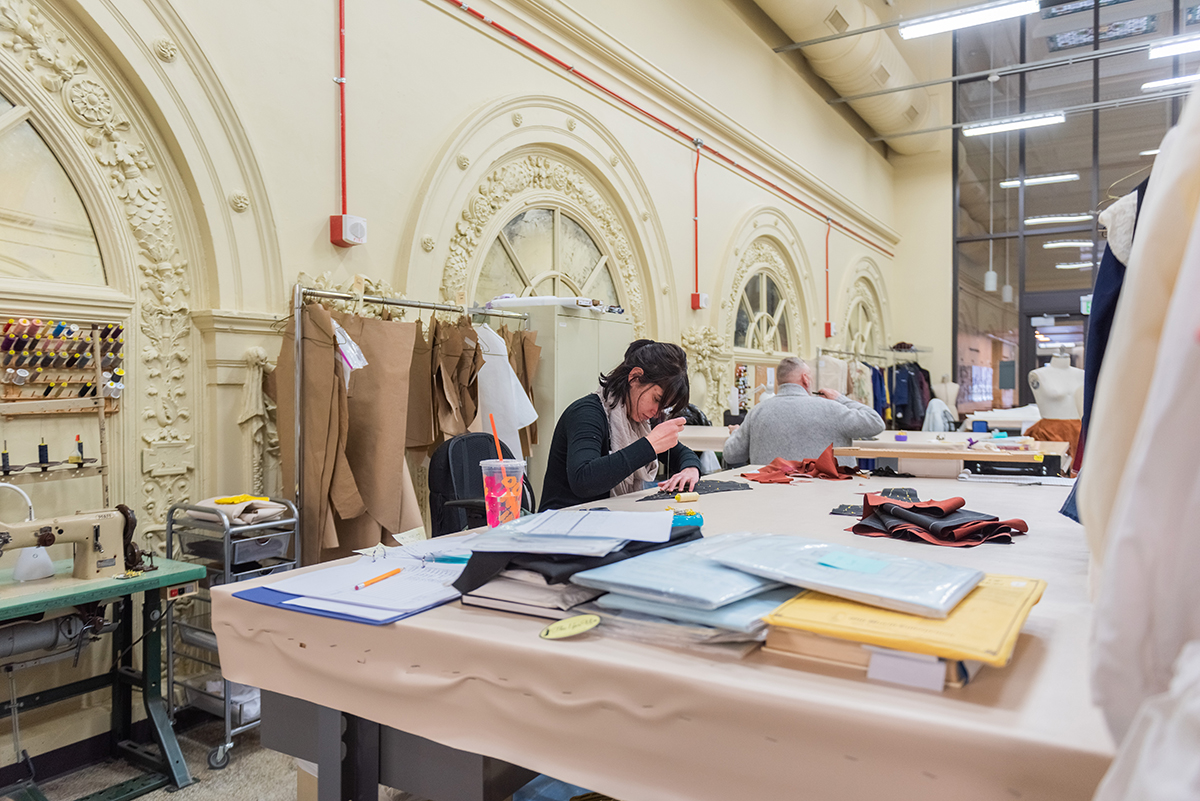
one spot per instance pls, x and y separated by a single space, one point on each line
524 354
328 482
456 360
422 418
377 433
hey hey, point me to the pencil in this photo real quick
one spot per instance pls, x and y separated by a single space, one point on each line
369 582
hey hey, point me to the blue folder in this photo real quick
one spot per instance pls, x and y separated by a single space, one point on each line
270 597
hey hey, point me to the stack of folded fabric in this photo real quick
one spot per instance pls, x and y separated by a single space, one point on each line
681 596
906 621
937 522
782 471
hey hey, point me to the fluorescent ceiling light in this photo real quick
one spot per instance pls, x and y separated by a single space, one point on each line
1034 180
1014 124
1068 243
1166 83
1047 219
1052 345
1175 47
967 17
1153 152
1074 265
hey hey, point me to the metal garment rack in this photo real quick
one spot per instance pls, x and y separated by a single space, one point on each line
302 293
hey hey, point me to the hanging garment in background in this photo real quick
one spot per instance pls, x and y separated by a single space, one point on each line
1049 430
833 374
782 471
422 417
524 354
376 435
1167 217
936 522
500 392
860 384
456 361
328 482
938 417
1148 607
878 393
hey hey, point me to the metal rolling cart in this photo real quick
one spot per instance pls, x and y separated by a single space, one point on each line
230 553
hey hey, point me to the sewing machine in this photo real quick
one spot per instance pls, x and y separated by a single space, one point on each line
99 539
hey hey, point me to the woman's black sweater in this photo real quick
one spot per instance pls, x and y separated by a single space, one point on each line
580 469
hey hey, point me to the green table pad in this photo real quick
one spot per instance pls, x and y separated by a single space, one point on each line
18 599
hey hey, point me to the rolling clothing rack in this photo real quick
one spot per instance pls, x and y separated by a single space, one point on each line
302 293
890 356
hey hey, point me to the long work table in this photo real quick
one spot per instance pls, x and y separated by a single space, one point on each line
646 723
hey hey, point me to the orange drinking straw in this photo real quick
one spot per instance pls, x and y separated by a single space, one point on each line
496 437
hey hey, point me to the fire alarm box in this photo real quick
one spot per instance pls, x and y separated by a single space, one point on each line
346 230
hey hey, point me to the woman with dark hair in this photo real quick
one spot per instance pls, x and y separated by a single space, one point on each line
604 444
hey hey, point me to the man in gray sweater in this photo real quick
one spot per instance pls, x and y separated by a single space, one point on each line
797 423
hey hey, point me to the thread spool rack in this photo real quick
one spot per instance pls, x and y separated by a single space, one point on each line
51 368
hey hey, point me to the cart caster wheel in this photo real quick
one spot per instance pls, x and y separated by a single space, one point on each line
218 758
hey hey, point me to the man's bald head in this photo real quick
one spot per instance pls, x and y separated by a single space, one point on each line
793 371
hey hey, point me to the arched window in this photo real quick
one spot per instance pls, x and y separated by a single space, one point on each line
45 233
762 323
545 251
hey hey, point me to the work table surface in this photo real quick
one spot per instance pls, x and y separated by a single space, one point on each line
642 722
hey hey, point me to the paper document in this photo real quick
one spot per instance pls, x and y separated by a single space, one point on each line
420 586
514 542
639 526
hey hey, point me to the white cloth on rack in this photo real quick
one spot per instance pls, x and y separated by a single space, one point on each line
832 374
1168 211
500 392
938 417
860 388
1149 602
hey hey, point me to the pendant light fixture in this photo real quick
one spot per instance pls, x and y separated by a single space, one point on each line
1006 291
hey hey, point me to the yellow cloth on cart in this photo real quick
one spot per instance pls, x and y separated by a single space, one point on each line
984 626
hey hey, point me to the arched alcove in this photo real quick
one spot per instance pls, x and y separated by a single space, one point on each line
534 152
864 320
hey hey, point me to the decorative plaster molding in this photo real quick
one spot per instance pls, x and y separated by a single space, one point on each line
571 123
539 173
427 244
463 161
615 160
46 53
165 49
708 358
239 201
517 119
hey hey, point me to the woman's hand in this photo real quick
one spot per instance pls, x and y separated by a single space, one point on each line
665 435
684 481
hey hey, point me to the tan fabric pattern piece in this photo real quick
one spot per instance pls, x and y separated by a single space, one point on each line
1168 208
377 429
421 416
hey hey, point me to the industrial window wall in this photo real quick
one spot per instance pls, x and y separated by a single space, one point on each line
1027 237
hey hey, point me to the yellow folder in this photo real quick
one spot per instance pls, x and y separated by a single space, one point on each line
983 627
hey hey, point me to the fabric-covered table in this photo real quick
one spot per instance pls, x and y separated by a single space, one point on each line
644 723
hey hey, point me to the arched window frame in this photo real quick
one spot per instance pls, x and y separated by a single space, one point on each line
559 206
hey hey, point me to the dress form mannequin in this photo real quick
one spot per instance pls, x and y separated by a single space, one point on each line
947 392
1054 388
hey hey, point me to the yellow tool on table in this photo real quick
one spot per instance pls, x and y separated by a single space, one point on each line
687 497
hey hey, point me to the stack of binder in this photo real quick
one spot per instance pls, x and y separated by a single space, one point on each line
528 593
908 649
682 595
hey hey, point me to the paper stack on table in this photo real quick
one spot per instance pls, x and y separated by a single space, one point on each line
576 532
527 593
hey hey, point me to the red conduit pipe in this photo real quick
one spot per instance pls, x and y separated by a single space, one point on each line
828 322
696 225
341 82
717 154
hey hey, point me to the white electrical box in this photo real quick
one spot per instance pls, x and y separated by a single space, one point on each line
346 230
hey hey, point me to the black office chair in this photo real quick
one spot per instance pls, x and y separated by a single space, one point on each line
456 483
